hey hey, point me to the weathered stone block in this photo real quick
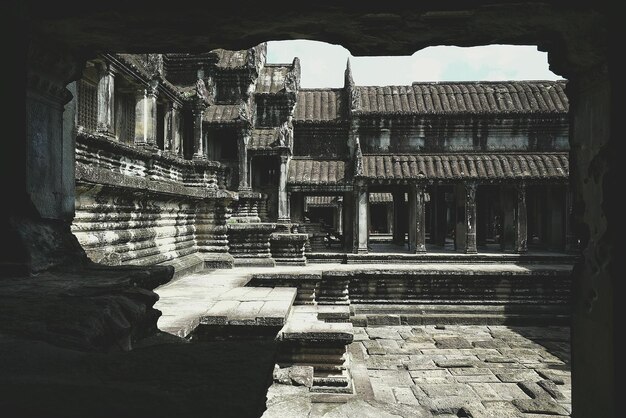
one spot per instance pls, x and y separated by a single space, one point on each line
539 406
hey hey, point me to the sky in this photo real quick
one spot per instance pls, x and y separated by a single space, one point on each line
323 64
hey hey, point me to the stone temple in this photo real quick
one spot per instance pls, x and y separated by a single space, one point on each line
219 157
192 233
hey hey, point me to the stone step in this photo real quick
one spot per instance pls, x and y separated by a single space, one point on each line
197 262
538 319
457 258
393 258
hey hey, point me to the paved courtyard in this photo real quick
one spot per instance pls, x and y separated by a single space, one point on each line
451 371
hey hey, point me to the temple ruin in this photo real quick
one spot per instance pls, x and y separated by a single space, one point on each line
220 160
187 159
191 232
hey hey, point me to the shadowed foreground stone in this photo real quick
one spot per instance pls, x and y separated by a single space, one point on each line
218 379
88 308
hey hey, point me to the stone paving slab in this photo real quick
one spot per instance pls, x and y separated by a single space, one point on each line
491 379
251 306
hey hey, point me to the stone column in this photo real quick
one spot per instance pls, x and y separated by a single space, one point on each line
106 100
140 118
151 114
39 164
508 200
482 215
339 221
348 221
442 217
297 206
434 232
168 126
283 202
361 205
198 148
460 227
145 117
470 218
556 218
571 245
417 219
177 147
243 159
521 224
398 213
389 206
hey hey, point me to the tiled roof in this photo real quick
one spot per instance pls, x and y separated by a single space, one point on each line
380 197
321 200
319 105
307 171
262 138
227 59
467 166
221 113
272 78
466 97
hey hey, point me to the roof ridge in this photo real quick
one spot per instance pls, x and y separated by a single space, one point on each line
278 64
320 88
468 82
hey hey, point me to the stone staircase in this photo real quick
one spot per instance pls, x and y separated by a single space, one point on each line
308 340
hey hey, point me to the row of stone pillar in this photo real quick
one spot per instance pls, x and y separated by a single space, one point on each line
145 132
416 227
356 217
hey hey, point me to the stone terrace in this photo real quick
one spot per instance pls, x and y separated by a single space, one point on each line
184 301
424 370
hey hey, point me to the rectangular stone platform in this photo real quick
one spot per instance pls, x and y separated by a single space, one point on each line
252 306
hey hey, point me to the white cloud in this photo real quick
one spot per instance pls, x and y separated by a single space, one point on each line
323 64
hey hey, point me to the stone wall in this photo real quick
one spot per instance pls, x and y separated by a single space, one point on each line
436 134
321 141
142 208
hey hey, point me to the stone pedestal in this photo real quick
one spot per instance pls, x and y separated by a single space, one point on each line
212 234
333 290
248 237
308 341
288 249
247 208
250 244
